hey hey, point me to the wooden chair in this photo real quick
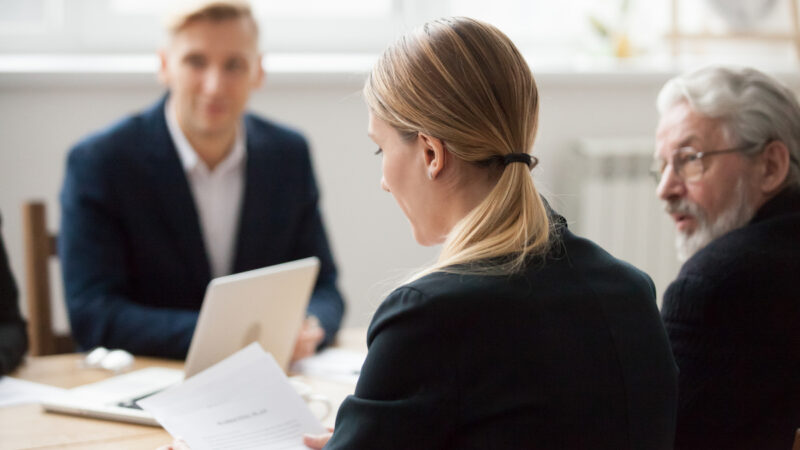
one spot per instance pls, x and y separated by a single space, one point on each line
40 246
796 445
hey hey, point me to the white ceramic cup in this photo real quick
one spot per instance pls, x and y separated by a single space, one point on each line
306 393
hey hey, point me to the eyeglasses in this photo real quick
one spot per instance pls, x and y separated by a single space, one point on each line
687 162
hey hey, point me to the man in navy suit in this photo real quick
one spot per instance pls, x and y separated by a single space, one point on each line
192 188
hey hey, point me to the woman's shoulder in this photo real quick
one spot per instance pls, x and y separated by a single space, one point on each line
442 285
440 292
422 291
436 300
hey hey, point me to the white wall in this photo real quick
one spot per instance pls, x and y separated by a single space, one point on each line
40 118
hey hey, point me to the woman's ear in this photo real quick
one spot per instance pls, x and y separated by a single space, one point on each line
773 167
435 154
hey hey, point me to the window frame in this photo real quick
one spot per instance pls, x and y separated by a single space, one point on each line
92 26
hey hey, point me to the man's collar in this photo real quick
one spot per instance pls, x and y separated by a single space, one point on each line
787 200
188 155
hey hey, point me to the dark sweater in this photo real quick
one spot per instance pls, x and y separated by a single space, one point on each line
733 317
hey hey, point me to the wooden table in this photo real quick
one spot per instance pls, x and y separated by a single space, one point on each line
28 426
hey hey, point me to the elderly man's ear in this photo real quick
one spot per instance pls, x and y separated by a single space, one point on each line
773 167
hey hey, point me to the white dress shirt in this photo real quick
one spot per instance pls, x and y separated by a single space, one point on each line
217 194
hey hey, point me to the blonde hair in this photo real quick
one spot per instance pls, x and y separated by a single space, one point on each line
184 13
464 82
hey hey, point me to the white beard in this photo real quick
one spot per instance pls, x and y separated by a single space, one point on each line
736 215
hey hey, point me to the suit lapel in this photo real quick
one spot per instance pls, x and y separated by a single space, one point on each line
261 183
173 193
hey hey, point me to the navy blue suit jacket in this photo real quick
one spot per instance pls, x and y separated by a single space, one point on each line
134 263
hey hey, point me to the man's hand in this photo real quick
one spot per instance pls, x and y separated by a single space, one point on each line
311 334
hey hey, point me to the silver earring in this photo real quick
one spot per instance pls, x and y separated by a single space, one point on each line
430 175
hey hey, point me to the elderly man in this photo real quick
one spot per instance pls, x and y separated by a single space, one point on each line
728 170
190 189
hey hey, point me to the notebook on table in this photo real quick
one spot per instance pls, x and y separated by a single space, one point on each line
264 305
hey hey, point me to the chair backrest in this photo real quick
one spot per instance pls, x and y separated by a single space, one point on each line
796 445
40 246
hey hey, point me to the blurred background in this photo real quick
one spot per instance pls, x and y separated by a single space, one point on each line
70 67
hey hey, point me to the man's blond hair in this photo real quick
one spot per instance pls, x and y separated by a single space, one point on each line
187 12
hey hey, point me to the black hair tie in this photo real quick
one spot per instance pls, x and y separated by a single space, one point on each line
505 160
529 160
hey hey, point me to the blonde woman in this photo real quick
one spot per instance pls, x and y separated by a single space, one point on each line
522 335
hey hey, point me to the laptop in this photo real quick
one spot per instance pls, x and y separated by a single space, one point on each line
264 305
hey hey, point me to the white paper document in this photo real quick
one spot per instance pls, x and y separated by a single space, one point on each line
14 391
244 401
335 364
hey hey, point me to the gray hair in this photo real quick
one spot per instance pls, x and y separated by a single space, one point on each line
753 107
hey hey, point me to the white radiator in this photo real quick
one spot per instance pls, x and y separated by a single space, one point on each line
620 211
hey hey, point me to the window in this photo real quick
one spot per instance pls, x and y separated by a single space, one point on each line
135 26
564 28
560 31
